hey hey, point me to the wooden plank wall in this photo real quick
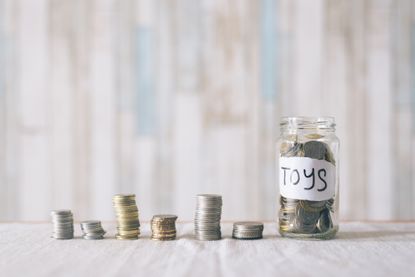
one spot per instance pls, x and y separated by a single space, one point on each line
171 98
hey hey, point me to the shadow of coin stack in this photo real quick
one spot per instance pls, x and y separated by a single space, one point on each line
207 217
127 216
163 227
62 224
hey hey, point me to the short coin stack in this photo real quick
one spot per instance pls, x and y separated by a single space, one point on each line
207 217
92 229
247 230
127 216
163 227
62 224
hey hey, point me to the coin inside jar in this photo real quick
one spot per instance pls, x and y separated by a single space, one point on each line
308 183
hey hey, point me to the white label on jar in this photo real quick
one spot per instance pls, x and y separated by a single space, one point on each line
306 178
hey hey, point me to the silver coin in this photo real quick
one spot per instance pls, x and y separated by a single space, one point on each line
91 222
61 212
62 236
315 150
247 237
62 221
92 229
92 237
207 230
65 219
325 222
248 225
209 197
207 223
247 230
212 236
207 217
295 151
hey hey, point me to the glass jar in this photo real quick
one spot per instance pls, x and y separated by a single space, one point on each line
308 168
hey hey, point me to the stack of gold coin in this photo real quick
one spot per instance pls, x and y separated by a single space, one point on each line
163 227
127 216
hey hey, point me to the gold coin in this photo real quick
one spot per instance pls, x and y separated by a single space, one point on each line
128 230
314 136
123 196
126 237
161 239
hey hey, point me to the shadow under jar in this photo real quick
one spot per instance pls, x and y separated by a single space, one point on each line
308 168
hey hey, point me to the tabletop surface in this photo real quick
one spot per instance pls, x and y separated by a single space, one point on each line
360 249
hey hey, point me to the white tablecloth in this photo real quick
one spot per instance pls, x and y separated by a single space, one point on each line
370 249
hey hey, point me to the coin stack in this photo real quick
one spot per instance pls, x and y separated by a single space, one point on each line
207 217
287 214
127 216
247 230
92 230
62 224
304 216
163 227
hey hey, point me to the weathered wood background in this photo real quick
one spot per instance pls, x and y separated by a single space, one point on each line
170 98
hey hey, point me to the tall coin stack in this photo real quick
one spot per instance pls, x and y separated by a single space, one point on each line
127 216
62 224
207 217
247 230
92 229
163 227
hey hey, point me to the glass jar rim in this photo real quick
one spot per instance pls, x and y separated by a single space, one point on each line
308 122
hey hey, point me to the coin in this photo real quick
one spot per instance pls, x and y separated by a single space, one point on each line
305 221
325 223
163 227
247 230
303 216
62 221
312 206
126 211
314 136
329 156
297 150
92 230
315 150
207 217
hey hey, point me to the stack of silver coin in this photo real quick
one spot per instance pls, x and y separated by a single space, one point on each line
247 230
207 217
92 229
62 224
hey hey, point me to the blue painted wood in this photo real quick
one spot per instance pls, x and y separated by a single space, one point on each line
145 81
189 59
